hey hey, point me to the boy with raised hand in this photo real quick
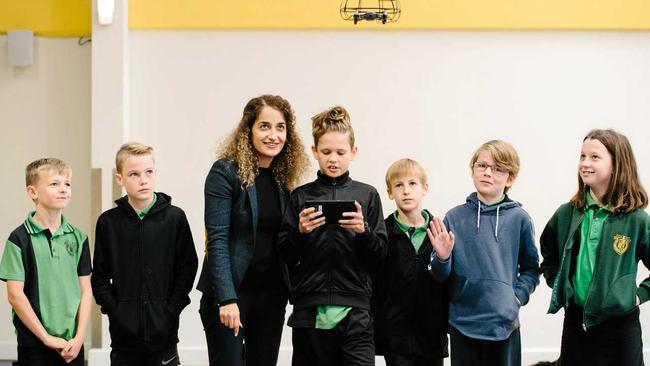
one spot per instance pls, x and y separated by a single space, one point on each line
409 306
331 263
146 263
46 264
486 247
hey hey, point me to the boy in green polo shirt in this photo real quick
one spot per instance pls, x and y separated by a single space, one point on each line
409 306
46 264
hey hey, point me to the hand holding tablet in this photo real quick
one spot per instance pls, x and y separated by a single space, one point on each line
347 213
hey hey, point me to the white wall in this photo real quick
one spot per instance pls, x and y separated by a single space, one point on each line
432 96
44 111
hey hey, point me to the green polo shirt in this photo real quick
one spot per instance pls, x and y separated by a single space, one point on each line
415 234
328 316
590 234
59 260
141 214
503 197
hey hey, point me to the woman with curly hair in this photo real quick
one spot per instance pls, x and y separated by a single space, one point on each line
244 284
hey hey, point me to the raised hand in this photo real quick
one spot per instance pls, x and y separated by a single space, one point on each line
310 219
441 240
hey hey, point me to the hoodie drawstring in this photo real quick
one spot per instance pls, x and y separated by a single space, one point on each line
496 227
478 221
478 217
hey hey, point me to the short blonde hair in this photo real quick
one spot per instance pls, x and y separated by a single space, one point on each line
35 167
404 167
131 149
335 119
504 155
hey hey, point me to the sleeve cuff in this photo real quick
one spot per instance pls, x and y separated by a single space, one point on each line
434 255
227 302
109 307
521 296
643 294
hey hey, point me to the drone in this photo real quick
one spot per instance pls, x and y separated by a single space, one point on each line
384 11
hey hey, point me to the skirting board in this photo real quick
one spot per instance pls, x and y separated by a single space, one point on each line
198 356
8 351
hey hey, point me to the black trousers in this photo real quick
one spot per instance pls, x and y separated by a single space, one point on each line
41 355
145 356
616 342
350 343
412 360
262 316
466 351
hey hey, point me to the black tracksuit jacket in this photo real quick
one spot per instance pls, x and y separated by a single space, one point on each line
332 265
409 306
144 272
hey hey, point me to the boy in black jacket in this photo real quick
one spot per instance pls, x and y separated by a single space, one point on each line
410 307
331 262
145 263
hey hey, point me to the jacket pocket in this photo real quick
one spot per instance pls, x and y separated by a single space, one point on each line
124 320
486 300
162 321
621 296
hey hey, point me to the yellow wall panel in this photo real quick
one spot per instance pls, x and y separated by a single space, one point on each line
60 18
233 14
416 14
73 17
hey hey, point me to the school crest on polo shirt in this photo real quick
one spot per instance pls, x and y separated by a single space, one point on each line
621 243
71 247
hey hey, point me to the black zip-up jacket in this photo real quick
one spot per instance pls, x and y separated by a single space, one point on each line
411 309
332 265
144 272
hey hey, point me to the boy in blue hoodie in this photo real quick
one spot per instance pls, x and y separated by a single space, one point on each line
486 248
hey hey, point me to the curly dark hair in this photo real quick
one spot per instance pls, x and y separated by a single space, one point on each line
288 166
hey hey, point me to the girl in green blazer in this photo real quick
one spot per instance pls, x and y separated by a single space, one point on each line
591 248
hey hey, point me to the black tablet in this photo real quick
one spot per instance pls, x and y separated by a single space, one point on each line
332 209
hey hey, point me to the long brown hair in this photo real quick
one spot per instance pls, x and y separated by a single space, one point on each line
288 166
624 192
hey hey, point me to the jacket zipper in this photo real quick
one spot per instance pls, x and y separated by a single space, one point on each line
593 278
329 273
143 296
560 278
561 274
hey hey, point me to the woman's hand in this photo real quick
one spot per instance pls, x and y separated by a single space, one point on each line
229 316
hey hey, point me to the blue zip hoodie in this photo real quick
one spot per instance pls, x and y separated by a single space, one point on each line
493 268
